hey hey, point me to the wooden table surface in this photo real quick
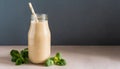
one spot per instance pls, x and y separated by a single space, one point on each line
78 57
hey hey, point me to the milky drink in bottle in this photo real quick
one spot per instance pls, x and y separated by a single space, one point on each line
39 39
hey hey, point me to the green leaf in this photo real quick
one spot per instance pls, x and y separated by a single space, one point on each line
59 56
49 62
26 60
52 58
14 59
22 59
24 53
14 53
62 62
19 61
56 59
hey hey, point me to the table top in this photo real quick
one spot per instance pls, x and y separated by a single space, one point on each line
78 57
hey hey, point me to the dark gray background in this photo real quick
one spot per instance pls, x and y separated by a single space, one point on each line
71 21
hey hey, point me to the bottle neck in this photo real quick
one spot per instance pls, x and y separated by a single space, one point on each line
40 17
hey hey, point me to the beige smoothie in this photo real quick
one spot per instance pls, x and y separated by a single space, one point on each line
39 40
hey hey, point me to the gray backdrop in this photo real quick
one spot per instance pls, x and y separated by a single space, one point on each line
71 21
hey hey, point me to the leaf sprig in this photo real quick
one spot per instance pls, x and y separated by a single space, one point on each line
19 57
57 60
